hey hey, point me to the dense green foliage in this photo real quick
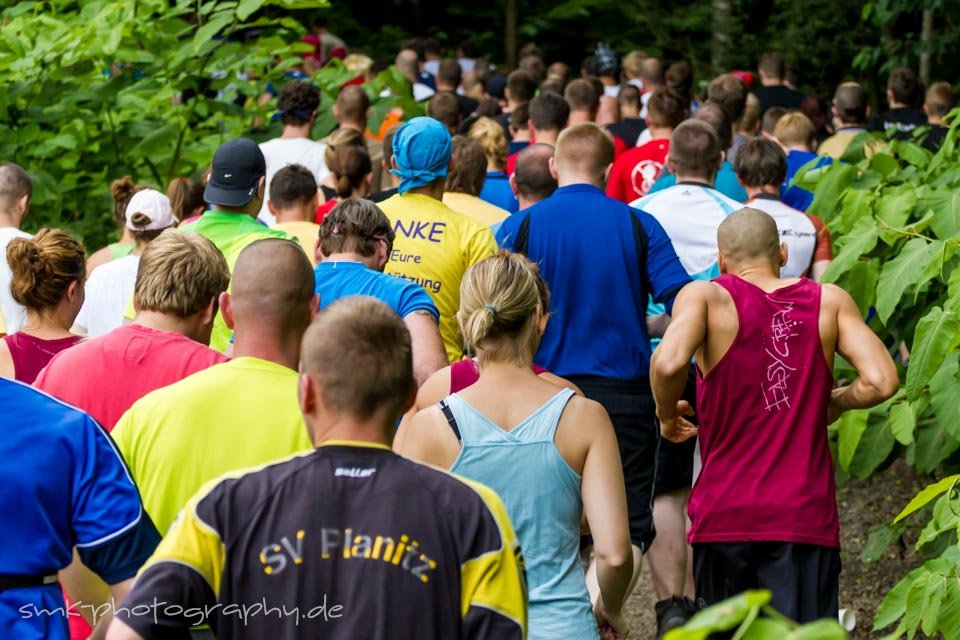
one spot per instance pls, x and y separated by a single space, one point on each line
897 215
742 615
149 88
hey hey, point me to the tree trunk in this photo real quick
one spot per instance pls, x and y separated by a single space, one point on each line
722 27
926 34
510 37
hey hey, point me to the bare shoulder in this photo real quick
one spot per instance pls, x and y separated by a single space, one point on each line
588 415
560 382
834 298
97 258
434 389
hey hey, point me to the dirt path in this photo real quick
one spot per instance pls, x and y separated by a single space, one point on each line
862 504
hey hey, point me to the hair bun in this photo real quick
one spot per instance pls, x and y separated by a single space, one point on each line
122 188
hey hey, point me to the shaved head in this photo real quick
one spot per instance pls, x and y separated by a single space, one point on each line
748 236
272 287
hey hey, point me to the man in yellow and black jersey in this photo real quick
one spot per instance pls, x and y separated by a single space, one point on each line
347 541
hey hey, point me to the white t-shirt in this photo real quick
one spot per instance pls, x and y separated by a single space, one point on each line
796 230
108 291
14 314
281 152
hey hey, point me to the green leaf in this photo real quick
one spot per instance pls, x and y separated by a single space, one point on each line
830 187
860 241
765 629
819 630
878 541
873 448
894 604
722 616
902 422
924 498
916 599
945 204
884 163
896 204
949 620
932 445
901 273
943 395
937 334
861 283
214 26
851 426
247 8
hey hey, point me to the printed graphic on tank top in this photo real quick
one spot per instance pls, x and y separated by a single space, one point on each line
767 472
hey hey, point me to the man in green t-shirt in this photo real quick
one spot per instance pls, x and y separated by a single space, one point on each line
235 190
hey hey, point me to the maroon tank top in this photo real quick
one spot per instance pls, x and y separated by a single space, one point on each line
30 355
767 473
466 372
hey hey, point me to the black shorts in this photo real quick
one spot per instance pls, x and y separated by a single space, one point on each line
631 408
803 578
675 462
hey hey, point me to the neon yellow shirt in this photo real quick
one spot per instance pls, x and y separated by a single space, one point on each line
230 416
473 207
434 247
231 233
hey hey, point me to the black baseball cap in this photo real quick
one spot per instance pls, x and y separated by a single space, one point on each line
237 168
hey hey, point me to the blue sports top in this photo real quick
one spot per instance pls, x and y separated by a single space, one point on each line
795 196
335 280
64 486
542 495
726 183
496 190
602 260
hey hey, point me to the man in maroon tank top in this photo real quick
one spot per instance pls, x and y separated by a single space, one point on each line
764 510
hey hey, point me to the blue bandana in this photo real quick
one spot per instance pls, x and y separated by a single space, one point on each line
422 149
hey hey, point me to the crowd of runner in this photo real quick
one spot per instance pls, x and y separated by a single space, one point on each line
443 379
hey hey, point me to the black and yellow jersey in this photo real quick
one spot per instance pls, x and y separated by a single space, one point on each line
348 541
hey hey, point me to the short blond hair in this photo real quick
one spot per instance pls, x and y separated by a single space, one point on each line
179 274
499 297
795 130
358 350
633 64
585 146
358 64
940 99
492 139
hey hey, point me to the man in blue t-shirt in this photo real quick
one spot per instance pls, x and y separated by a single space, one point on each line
356 240
602 260
65 488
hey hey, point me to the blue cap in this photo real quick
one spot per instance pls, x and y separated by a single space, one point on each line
421 149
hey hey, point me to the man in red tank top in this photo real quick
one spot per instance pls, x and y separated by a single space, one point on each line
764 510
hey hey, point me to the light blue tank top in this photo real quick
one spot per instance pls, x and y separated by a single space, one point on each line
542 496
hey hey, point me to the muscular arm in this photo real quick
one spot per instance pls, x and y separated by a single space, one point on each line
429 355
671 360
877 377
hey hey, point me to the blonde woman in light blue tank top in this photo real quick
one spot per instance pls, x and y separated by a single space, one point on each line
551 456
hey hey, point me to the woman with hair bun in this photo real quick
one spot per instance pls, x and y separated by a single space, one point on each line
352 173
122 189
48 274
551 456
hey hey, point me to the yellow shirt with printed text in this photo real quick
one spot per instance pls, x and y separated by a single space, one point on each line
434 247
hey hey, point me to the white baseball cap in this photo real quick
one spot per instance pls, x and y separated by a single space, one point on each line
155 206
